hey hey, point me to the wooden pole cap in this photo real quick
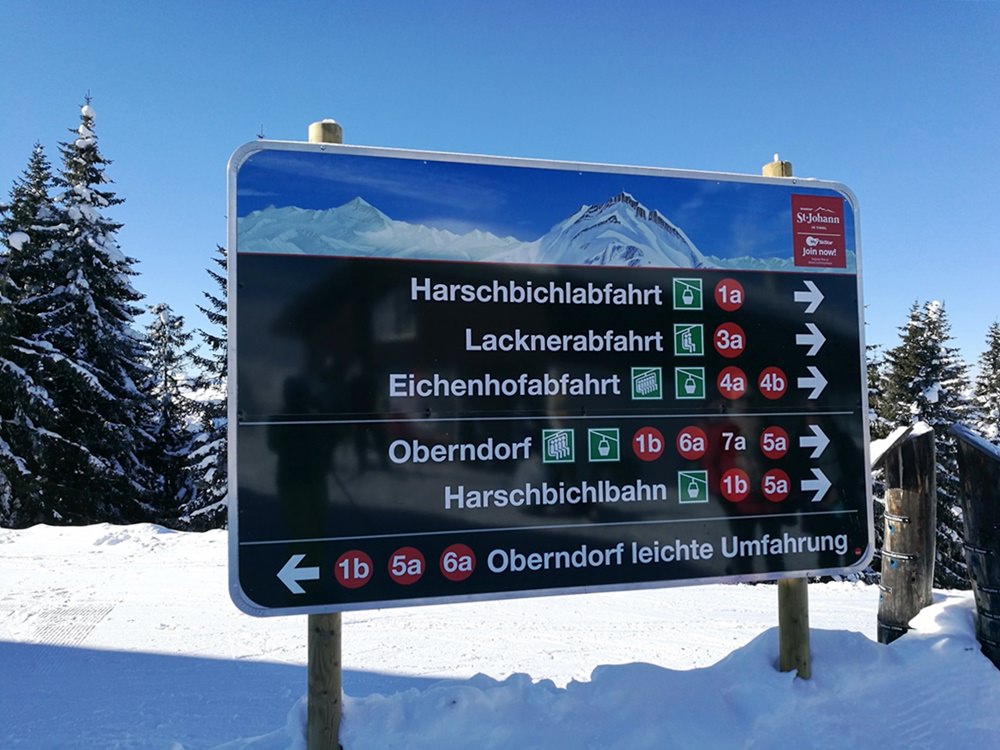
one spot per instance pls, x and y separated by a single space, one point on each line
777 168
326 131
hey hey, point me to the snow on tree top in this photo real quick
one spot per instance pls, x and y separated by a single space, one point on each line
935 309
87 111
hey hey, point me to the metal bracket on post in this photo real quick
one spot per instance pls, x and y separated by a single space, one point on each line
793 593
325 680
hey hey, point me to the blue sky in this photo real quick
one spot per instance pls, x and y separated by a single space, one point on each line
896 100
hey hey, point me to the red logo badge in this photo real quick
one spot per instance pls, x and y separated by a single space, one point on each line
818 231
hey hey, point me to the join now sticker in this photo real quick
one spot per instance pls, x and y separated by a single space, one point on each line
818 231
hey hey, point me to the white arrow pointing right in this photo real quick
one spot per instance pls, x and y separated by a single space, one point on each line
813 296
815 382
814 339
290 574
819 484
817 441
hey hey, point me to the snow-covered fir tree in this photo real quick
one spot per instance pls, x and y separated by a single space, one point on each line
987 388
926 381
878 424
172 413
14 472
209 454
99 363
878 427
29 228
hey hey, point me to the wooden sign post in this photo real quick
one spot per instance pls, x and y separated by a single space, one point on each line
793 593
325 668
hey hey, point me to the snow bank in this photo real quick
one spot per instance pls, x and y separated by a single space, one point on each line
125 637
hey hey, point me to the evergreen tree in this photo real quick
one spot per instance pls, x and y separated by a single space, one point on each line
878 424
987 389
99 364
926 381
878 427
170 354
28 227
209 455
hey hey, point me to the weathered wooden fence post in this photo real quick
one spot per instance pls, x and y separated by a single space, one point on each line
979 470
325 678
908 546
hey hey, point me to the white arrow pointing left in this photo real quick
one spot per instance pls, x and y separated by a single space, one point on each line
819 484
290 574
814 339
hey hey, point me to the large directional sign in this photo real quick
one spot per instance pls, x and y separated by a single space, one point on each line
460 377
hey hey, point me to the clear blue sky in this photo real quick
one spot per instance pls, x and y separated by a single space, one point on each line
899 101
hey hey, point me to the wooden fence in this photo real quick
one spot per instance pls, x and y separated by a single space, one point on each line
908 548
979 472
910 522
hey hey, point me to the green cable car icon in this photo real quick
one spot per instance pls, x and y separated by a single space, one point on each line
692 486
687 294
604 447
689 383
693 489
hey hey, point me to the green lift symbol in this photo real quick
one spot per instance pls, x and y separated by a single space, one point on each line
692 486
687 294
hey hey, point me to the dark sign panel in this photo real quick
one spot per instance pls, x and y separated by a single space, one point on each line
467 377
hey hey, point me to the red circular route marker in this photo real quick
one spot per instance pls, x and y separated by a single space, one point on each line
648 443
729 340
775 485
406 565
457 562
353 569
692 443
774 442
729 295
772 382
732 382
735 485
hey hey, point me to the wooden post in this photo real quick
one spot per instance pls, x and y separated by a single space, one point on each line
793 593
979 475
326 131
793 627
325 667
325 683
908 545
777 168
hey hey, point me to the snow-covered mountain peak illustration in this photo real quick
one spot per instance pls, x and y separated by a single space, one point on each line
291 229
362 215
620 232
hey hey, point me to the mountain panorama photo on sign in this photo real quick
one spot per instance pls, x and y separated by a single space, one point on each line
619 232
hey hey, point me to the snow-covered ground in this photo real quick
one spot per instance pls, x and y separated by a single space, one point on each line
124 637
